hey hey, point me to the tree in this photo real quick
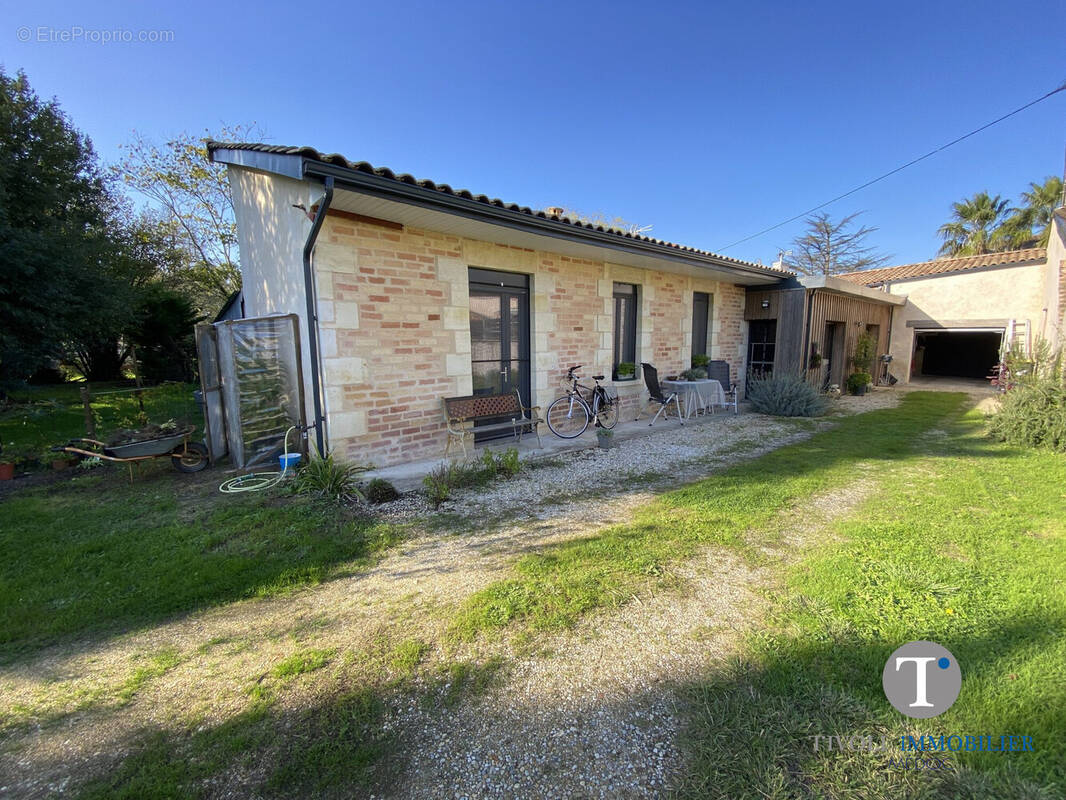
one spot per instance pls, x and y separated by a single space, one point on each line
1030 225
977 227
192 209
830 248
132 259
165 335
54 233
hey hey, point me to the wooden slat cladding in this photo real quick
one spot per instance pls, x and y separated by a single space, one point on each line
753 304
789 355
855 315
789 308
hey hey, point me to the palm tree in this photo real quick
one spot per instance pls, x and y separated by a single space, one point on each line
1040 204
975 227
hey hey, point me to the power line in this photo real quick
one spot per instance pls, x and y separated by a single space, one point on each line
894 171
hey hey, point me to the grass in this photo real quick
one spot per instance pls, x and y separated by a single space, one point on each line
337 745
96 556
966 548
553 589
158 664
303 662
962 543
42 416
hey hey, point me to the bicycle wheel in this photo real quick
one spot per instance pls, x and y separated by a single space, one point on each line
606 410
567 417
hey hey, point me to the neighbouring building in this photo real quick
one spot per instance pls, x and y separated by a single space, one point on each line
409 291
959 313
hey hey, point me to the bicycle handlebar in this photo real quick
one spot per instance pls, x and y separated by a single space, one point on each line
574 369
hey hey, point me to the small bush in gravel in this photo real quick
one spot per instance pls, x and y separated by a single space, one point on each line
785 396
438 487
444 477
380 491
507 463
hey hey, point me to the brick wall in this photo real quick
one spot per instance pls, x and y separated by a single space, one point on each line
394 321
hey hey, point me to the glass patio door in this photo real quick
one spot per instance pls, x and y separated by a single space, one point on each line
499 332
762 347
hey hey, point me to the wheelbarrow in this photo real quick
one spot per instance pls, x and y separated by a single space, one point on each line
184 455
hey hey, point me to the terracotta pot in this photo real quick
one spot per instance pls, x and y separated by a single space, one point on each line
7 471
60 464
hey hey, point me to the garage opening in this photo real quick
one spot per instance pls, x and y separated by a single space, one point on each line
956 353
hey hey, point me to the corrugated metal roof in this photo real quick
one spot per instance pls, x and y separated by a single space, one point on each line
384 172
875 277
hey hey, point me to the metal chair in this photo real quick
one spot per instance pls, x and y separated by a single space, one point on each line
655 395
719 371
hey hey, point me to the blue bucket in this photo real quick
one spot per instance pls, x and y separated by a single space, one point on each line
289 461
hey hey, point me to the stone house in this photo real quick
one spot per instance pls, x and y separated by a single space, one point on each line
409 291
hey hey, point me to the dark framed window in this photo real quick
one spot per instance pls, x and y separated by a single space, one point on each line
701 322
625 323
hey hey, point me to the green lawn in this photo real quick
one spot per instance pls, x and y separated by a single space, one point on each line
97 555
42 416
962 541
962 544
965 546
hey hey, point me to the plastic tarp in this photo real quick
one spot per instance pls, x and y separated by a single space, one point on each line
211 391
258 363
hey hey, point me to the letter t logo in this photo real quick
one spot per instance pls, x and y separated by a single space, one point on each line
920 665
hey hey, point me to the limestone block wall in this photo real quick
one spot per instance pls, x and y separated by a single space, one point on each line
395 333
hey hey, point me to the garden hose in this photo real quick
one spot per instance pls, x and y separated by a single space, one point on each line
258 481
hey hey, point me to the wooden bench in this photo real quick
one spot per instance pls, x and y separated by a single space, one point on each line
461 414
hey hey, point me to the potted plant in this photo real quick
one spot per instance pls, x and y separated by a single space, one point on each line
625 371
694 374
815 360
857 383
61 462
700 361
605 438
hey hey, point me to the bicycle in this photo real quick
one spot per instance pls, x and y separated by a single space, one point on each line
569 415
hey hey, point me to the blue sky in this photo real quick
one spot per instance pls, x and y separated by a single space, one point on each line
710 121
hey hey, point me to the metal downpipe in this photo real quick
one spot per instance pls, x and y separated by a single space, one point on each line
312 312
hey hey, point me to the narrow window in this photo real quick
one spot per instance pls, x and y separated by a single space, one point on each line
625 323
701 323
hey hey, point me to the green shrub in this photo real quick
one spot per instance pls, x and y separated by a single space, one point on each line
859 380
785 396
438 487
507 462
481 472
865 347
325 477
700 360
694 374
1033 413
626 369
380 491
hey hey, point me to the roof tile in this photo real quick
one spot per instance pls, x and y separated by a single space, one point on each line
875 277
384 172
